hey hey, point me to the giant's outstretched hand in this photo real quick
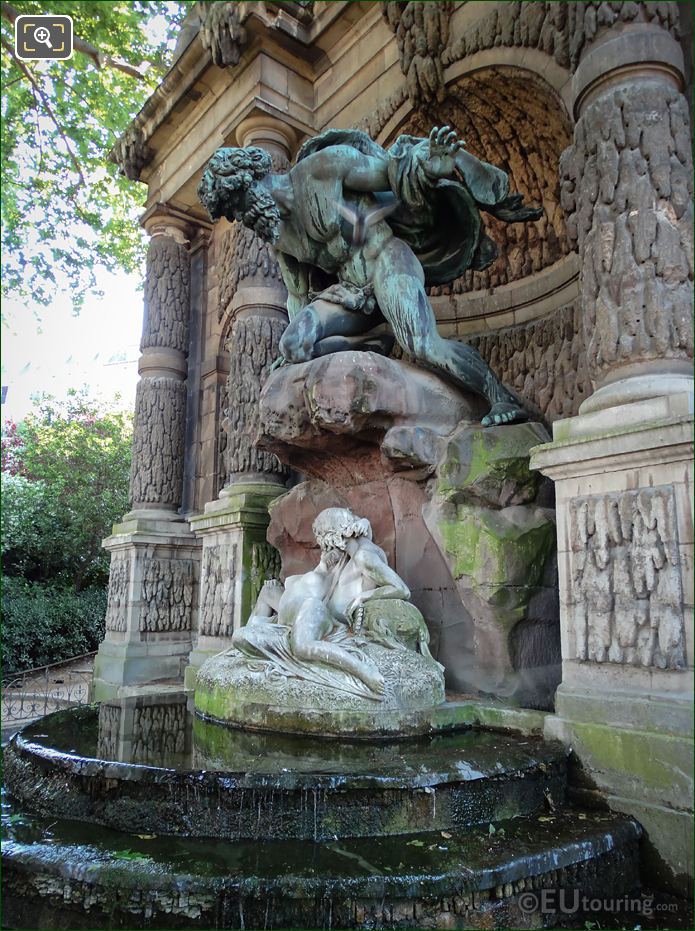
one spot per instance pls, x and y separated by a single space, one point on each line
443 146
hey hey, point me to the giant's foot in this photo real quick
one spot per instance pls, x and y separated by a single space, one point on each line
504 412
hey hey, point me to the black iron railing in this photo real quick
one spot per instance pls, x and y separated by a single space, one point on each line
35 692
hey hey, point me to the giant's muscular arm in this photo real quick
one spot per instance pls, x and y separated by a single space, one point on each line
295 274
366 173
357 171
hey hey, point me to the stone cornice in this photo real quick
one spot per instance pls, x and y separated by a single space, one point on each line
292 33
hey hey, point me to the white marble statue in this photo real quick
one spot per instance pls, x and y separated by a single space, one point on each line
312 627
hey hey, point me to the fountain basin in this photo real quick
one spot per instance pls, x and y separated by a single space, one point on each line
193 778
61 874
138 813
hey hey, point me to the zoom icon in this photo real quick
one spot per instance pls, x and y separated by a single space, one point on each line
43 37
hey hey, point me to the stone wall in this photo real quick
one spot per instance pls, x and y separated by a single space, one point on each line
543 361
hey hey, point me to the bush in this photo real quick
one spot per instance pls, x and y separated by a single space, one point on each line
65 482
43 624
32 533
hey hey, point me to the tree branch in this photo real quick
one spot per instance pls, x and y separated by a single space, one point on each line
49 109
81 45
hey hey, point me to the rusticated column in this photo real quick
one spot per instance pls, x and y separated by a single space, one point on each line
623 468
253 347
155 558
156 476
252 305
627 191
256 302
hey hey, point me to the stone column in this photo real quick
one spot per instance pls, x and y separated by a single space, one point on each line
627 190
236 558
623 467
154 555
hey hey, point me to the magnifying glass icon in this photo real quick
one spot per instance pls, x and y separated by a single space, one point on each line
43 36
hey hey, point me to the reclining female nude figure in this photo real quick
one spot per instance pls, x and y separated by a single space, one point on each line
305 622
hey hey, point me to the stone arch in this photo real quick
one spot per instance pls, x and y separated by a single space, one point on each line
513 118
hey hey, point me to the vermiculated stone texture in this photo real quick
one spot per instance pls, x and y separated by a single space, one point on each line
243 255
543 361
168 594
627 191
167 295
160 414
253 347
627 592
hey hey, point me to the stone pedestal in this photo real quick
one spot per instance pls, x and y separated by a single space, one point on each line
151 604
236 561
624 480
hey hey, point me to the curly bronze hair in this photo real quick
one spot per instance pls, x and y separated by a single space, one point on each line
229 189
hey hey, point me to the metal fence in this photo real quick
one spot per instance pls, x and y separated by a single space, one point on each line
35 692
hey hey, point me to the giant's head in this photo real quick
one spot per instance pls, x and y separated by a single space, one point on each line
230 188
334 527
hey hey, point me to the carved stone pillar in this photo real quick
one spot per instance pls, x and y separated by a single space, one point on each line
627 190
623 467
236 556
154 556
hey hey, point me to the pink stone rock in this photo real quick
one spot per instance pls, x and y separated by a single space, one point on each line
372 434
328 417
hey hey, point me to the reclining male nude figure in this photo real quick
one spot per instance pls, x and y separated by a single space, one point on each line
352 570
359 232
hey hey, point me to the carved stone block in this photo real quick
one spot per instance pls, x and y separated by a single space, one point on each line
626 595
167 594
119 588
218 571
222 34
422 33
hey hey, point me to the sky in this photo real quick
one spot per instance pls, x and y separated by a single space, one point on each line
58 350
51 349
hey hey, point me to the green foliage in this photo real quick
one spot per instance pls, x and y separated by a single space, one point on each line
73 468
65 208
30 529
43 624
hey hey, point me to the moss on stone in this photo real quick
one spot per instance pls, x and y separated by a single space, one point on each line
660 764
498 548
490 464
